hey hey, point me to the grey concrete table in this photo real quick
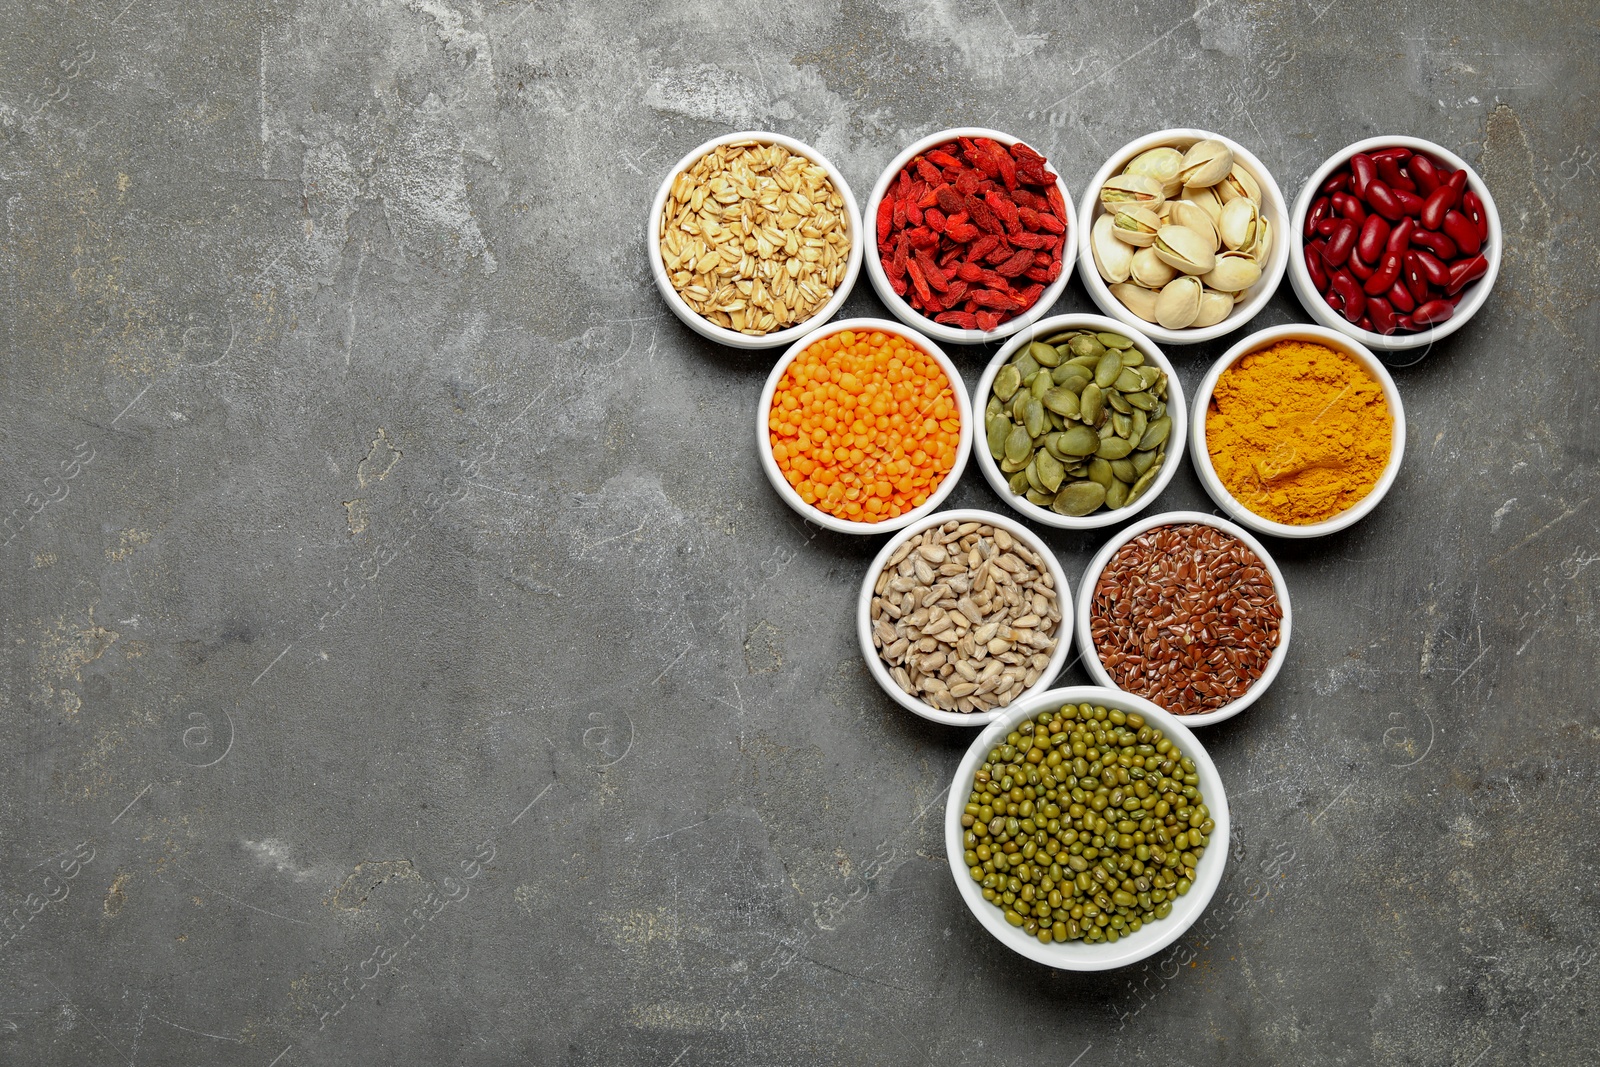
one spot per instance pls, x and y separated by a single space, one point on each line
404 660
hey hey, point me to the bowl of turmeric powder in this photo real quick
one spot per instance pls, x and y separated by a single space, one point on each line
1298 431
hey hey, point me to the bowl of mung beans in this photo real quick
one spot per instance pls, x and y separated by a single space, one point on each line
864 426
962 614
754 239
1187 610
1037 861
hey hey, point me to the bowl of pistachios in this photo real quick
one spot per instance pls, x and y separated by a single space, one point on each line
1083 422
1187 234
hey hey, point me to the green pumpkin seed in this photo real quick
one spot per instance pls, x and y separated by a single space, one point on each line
1079 498
1106 371
1091 404
1087 344
1129 381
1143 483
1041 499
1143 459
1019 484
1100 471
1019 404
1117 495
1012 466
1052 444
1159 410
1121 425
1132 357
1026 365
1050 471
1114 340
1062 401
1088 363
1114 448
998 429
1057 422
1139 423
1033 417
1007 382
1123 471
993 407
1019 445
1071 376
1149 376
1031 472
1044 354
1156 433
1117 403
1078 441
1141 401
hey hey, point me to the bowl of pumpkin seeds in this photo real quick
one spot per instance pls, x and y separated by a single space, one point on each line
1084 422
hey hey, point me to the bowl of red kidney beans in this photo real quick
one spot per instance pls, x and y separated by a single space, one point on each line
1396 243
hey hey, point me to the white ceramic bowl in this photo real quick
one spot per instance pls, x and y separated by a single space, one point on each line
909 315
733 338
769 465
1273 208
1177 440
1153 937
1091 578
880 670
1262 339
1476 293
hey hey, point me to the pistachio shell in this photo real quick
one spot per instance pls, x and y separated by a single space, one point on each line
1234 271
1121 190
1214 307
1184 250
1159 163
1136 225
1239 222
1192 216
1113 258
1207 201
1137 299
1150 270
1178 303
1239 183
1205 164
1263 244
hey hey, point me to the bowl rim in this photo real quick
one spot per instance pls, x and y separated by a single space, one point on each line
1318 309
711 330
1091 578
910 316
1261 339
1177 408
880 670
1272 273
1076 956
769 465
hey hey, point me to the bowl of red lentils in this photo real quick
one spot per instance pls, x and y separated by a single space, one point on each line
962 614
1298 431
864 426
1186 610
755 239
972 235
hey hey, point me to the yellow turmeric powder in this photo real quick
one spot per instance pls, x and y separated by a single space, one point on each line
1298 432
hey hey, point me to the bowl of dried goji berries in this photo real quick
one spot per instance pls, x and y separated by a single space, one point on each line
973 235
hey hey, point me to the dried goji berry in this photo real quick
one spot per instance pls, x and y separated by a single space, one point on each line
961 320
922 237
1058 207
1051 224
967 184
963 233
1032 240
885 219
989 298
983 246
941 158
931 271
1015 265
919 283
927 170
913 213
980 213
949 200
899 214
970 272
987 320
1002 206
934 219
1028 217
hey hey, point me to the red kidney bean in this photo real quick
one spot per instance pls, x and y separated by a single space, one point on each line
1385 276
1374 235
1349 207
1341 239
1416 281
1465 272
1439 201
1472 208
1401 297
1362 171
1361 270
1350 295
1319 276
1319 211
1433 268
1400 236
1335 184
1460 229
1365 323
1328 225
1433 312
1409 202
1405 323
1382 314
1389 171
1381 198
1428 176
1437 243
1397 153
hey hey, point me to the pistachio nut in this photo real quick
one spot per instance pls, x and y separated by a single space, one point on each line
1162 164
1214 307
1263 244
1136 225
1240 218
1234 271
1185 250
1239 182
1137 299
1125 189
1205 164
1192 216
1207 201
1150 270
1113 258
1178 303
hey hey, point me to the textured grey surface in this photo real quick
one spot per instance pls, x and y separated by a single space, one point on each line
363 494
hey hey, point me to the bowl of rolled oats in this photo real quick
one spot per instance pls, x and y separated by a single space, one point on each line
755 238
